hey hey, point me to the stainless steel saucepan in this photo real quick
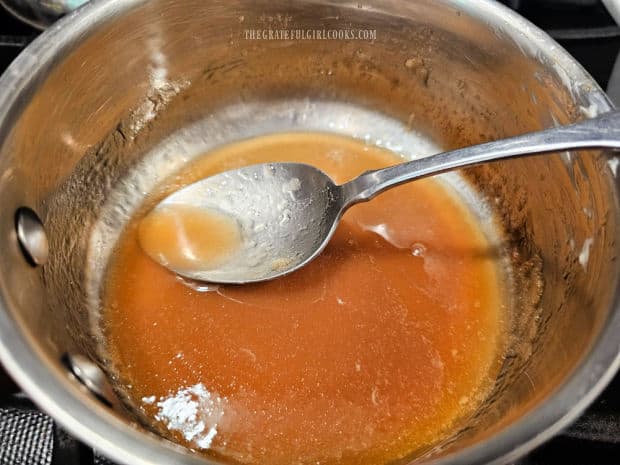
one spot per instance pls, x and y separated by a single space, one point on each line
122 93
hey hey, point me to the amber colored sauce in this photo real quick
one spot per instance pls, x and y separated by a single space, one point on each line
378 348
187 237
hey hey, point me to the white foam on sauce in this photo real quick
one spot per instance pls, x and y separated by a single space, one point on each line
584 255
192 411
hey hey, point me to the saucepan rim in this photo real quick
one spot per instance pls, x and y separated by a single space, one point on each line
94 424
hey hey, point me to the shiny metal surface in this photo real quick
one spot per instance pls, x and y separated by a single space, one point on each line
613 6
288 212
40 13
108 93
31 236
92 377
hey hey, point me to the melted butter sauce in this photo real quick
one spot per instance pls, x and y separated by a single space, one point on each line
187 237
378 348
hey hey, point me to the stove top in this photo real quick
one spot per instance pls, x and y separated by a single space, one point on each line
589 33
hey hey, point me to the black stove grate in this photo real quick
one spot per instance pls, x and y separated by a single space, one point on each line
585 29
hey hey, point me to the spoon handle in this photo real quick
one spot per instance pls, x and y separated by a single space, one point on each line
600 132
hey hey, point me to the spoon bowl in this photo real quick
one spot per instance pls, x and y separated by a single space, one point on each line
286 213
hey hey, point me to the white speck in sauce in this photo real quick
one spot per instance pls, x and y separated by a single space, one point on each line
149 400
374 396
584 255
249 353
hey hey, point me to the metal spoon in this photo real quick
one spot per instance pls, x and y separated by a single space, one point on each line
287 212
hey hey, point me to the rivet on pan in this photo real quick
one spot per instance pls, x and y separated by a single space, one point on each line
91 376
31 236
